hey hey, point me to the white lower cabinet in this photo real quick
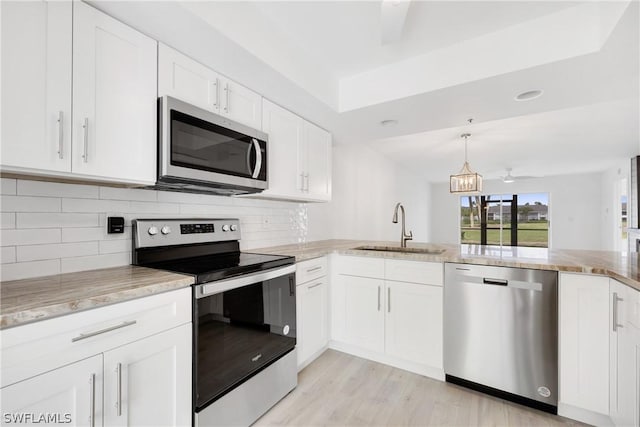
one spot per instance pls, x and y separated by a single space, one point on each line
625 355
380 317
71 395
126 364
148 382
312 310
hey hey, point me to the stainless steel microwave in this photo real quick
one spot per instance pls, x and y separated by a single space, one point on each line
200 151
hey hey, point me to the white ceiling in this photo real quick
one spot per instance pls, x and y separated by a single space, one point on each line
588 66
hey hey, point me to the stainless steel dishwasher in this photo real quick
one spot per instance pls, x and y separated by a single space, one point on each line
501 332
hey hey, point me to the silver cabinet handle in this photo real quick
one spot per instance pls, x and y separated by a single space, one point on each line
92 400
217 85
301 182
60 134
306 176
616 299
388 300
310 270
85 126
378 298
314 286
226 91
256 170
119 389
102 331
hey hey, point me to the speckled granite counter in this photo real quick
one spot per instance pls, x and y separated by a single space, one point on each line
28 300
618 265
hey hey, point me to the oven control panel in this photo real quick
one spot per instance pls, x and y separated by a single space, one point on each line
167 232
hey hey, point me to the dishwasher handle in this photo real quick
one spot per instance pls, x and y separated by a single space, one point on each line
499 282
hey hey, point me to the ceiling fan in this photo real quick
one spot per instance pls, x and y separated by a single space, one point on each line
508 178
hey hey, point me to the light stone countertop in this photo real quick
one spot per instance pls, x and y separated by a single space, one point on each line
28 300
617 265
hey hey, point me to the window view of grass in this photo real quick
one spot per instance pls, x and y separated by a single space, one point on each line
493 216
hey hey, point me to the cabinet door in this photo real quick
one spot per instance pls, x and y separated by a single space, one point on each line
364 315
71 396
584 342
241 104
285 136
36 85
413 322
148 382
114 98
318 161
625 357
312 310
183 78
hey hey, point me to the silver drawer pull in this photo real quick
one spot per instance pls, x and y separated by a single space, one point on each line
311 270
314 286
102 331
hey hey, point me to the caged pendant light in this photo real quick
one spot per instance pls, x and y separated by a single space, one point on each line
465 181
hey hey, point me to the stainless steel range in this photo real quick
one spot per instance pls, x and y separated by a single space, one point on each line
244 315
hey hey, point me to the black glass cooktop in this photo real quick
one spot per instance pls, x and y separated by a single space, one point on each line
208 268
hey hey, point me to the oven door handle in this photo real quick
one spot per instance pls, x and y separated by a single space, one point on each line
218 286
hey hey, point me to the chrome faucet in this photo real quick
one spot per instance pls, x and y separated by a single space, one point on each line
403 235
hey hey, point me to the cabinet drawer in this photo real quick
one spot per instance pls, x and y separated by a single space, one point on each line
428 273
360 266
311 269
42 346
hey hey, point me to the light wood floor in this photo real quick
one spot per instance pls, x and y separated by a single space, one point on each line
338 389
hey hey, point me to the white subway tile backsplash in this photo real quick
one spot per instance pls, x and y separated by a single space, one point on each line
113 193
56 220
30 204
115 246
49 228
7 220
29 237
69 265
24 270
93 205
8 254
56 189
59 250
7 186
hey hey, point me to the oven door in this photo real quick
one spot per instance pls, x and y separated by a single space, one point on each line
203 147
241 326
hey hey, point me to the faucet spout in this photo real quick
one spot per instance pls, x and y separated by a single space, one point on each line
403 234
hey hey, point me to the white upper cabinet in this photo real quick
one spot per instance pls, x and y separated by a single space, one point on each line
181 77
36 85
285 138
111 71
299 159
240 104
114 98
318 162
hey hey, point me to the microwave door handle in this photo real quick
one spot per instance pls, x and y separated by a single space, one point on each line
258 167
249 169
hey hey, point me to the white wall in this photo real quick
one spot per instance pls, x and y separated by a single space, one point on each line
575 209
50 228
366 188
609 208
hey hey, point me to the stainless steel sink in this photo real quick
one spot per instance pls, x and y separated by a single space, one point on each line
427 251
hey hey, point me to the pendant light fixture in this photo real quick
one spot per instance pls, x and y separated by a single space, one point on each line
465 181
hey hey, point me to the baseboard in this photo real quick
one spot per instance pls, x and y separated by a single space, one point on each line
313 357
416 368
583 415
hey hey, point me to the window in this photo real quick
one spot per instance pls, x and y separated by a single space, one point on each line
505 219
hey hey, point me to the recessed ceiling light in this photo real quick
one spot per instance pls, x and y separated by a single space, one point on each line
389 123
529 95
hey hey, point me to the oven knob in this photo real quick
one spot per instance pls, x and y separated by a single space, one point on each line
165 230
225 227
234 227
153 230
